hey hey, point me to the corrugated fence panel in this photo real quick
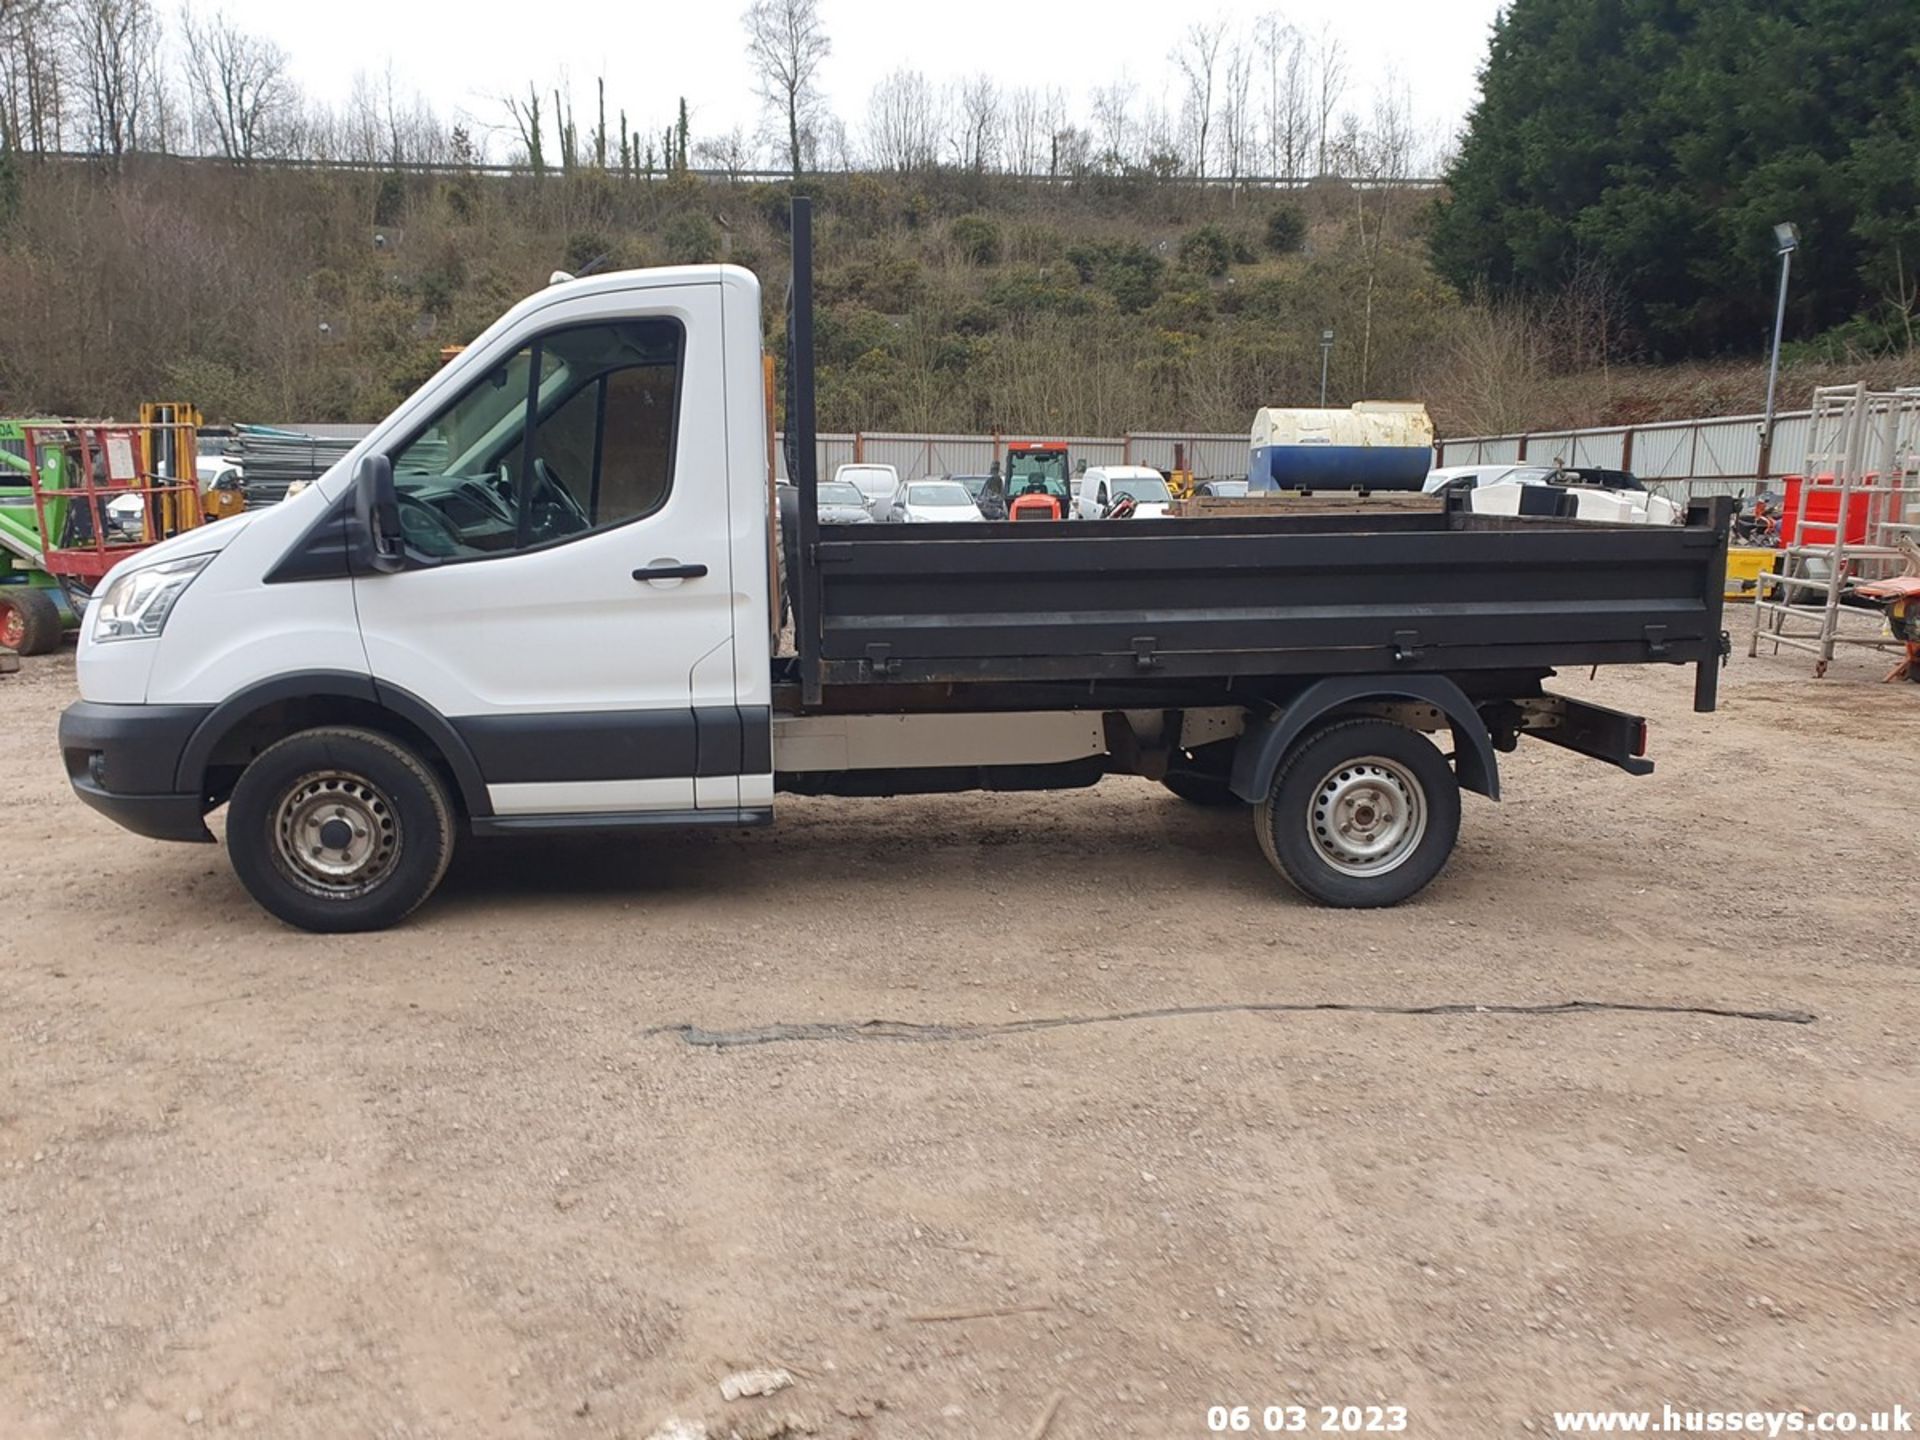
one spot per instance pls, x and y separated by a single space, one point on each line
1209 456
1790 434
910 455
1728 448
1602 448
1550 446
960 454
1498 450
830 450
1664 452
1095 449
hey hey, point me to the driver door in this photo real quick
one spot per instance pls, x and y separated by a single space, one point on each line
567 603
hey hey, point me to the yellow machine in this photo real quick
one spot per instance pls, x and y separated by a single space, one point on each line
1180 478
170 451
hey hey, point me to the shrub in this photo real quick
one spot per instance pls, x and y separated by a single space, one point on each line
1207 250
976 238
1286 230
690 239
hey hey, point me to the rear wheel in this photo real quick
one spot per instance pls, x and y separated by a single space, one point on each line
29 620
1362 813
339 829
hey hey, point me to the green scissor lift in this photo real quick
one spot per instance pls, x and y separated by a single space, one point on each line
34 610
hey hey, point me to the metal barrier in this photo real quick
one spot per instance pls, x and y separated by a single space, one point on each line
1716 455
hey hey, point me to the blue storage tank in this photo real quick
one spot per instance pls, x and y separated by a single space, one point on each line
1377 445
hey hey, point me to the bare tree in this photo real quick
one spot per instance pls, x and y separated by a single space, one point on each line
1113 124
238 83
1331 64
525 118
113 45
1289 112
788 44
1237 119
728 152
978 112
1061 137
31 75
902 122
1026 130
1198 57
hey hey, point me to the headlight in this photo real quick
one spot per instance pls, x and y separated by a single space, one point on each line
136 606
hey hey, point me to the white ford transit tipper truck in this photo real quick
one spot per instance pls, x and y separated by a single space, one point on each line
538 597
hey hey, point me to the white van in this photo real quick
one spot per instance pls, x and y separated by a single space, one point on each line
879 483
1103 485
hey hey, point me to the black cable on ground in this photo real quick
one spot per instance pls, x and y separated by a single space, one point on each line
907 1031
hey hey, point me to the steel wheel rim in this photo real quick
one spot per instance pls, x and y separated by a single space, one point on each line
1367 816
337 833
13 625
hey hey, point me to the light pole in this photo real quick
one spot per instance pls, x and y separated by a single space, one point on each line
1786 237
1326 350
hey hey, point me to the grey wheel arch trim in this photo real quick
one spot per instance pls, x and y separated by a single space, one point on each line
1257 757
190 777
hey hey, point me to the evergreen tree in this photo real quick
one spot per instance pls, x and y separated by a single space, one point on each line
1661 140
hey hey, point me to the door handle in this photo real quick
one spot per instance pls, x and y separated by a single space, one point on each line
670 572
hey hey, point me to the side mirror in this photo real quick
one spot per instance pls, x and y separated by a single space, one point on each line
376 510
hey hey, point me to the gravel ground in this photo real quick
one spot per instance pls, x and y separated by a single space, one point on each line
464 1179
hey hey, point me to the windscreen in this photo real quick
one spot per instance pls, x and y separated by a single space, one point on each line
938 495
1147 489
1038 472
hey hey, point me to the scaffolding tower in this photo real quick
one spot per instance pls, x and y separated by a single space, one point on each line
1863 458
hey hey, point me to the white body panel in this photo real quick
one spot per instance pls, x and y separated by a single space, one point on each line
1619 507
230 630
1102 484
877 482
567 627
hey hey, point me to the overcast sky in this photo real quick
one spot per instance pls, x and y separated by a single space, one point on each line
464 56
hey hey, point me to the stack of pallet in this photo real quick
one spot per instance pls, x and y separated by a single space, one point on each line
272 460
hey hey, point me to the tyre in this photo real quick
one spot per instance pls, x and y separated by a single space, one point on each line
1197 789
29 620
1362 813
337 830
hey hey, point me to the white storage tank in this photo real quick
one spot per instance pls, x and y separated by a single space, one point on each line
1376 445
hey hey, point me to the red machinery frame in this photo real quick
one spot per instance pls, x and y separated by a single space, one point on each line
102 462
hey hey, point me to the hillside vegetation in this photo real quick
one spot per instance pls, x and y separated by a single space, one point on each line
946 301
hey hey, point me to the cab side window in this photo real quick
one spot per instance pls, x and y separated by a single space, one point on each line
572 435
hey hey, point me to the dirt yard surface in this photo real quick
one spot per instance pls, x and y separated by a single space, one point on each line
470 1178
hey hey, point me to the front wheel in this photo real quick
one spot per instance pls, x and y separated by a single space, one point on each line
1362 813
339 829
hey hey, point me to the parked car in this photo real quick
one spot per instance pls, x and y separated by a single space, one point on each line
879 483
1103 485
841 503
936 501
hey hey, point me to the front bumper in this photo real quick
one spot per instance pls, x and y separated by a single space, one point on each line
124 760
